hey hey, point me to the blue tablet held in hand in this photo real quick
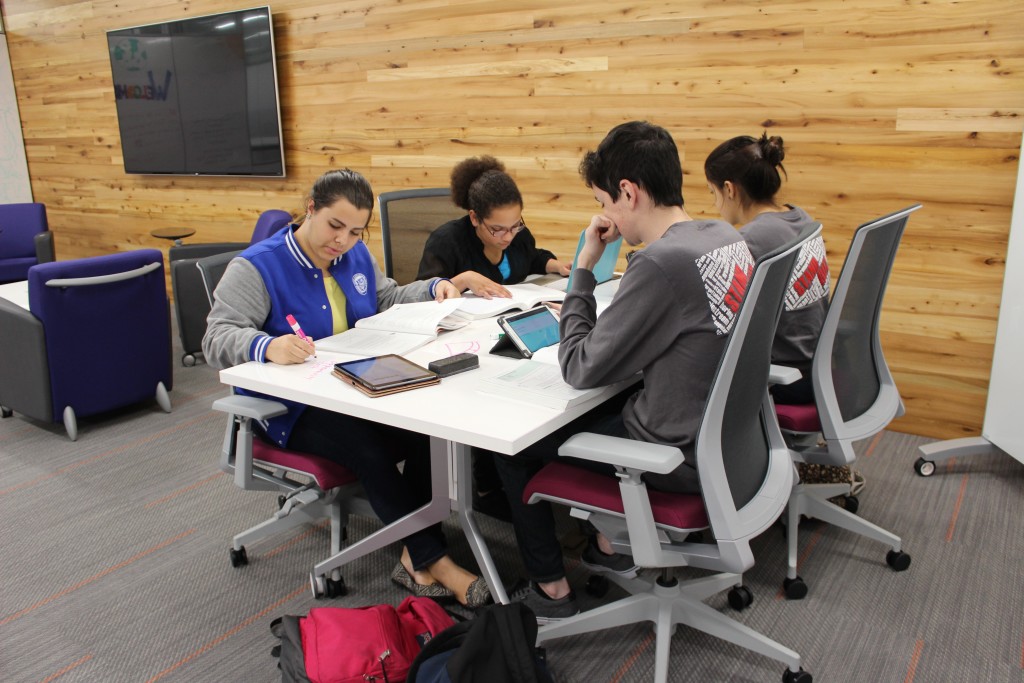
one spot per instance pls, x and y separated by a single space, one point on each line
605 268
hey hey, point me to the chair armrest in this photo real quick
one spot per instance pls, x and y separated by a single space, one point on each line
250 406
628 453
24 369
44 247
782 374
103 279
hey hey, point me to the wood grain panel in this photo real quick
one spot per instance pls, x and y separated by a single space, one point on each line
882 103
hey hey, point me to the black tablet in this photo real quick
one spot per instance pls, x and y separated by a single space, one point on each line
531 330
384 373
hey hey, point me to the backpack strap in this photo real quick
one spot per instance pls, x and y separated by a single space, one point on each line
289 649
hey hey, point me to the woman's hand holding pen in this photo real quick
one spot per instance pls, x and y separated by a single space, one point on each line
599 233
289 349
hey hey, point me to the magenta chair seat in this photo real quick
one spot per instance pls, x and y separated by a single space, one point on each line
328 475
676 510
798 418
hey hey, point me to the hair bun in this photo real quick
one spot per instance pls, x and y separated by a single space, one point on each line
772 149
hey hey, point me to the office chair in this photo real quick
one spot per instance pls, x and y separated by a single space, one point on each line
855 395
407 217
190 302
746 475
25 240
96 337
324 489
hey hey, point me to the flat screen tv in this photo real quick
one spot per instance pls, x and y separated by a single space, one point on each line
199 96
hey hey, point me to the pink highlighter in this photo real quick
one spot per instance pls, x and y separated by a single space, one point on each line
296 329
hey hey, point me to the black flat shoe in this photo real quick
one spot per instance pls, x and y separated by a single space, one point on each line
405 580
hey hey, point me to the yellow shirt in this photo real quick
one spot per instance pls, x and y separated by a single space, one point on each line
336 298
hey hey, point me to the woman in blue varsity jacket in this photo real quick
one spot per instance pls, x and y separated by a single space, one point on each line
321 272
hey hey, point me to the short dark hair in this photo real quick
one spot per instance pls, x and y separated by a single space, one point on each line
751 164
642 153
480 184
341 184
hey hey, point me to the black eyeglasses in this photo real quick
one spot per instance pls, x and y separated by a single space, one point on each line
500 231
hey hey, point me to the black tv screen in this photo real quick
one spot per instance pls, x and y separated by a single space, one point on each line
199 96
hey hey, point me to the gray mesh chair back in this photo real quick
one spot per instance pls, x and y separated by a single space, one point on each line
739 436
407 217
211 269
854 390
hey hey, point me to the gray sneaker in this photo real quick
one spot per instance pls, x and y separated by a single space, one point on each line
616 563
547 610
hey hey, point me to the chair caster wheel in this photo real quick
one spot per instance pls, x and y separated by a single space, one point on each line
281 500
597 586
740 598
898 560
851 504
5 411
336 588
188 360
925 468
795 589
800 676
327 588
238 557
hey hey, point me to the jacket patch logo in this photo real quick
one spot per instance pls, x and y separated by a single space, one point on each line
810 277
360 283
726 272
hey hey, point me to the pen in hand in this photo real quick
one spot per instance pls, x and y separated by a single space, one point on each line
298 330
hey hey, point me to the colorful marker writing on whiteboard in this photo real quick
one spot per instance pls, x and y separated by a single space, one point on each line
296 329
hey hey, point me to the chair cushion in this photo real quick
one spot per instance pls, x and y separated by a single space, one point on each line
557 479
327 474
798 418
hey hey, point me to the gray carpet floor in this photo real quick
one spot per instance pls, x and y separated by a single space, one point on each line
114 567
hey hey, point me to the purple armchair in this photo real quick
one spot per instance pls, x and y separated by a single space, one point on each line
59 359
25 240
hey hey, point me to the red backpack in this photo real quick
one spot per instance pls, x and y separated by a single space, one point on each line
357 645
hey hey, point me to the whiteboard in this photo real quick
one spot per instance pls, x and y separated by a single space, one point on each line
14 183
1004 418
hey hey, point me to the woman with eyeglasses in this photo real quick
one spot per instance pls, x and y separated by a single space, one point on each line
319 273
491 245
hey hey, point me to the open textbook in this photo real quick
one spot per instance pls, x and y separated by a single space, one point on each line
398 330
524 296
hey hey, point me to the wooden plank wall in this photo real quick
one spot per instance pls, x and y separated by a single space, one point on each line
882 103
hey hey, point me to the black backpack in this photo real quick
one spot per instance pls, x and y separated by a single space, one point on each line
499 645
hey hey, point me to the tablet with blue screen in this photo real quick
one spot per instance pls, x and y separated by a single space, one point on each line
530 330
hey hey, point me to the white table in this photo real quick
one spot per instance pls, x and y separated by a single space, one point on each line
16 293
453 414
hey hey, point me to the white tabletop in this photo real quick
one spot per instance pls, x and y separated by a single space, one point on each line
452 410
16 293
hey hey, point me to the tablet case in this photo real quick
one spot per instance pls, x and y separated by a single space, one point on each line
505 347
605 268
384 392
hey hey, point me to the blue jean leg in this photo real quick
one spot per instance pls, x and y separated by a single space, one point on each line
534 524
372 452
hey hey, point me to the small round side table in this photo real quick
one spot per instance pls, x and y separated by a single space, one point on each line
175 234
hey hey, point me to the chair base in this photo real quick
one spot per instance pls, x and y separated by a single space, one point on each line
667 606
940 451
811 500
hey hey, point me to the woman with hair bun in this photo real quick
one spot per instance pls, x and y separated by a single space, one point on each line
743 175
491 245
